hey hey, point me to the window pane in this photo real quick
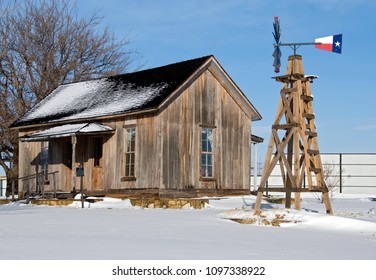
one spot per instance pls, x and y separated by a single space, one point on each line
209 159
210 147
128 146
210 140
44 159
203 134
203 170
203 160
130 139
127 170
44 152
210 171
204 146
127 159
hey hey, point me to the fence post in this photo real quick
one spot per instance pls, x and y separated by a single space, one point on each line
13 189
340 173
27 191
42 184
54 179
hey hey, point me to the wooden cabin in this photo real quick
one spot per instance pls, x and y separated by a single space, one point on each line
181 130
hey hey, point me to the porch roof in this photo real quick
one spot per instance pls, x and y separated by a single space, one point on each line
66 131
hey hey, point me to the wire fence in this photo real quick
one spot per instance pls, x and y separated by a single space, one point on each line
350 173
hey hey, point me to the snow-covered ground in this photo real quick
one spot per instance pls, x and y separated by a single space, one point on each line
114 230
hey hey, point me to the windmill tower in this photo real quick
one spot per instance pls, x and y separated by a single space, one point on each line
293 142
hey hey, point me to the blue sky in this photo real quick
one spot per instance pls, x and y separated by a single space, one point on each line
239 34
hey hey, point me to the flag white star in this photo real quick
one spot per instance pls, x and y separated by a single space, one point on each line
338 44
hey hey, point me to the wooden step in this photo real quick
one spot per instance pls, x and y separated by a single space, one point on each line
311 133
285 126
315 170
289 78
289 90
313 152
315 188
309 116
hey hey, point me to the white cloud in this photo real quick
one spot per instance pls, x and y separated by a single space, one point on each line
368 127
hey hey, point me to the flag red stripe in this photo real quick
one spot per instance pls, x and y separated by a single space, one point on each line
325 47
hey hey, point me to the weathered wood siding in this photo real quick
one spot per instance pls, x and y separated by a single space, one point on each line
30 164
206 103
168 147
28 156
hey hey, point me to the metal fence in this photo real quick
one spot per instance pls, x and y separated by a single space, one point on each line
351 173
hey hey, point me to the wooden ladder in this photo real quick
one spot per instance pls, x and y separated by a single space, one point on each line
293 141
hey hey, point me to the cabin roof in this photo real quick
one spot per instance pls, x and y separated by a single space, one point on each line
111 96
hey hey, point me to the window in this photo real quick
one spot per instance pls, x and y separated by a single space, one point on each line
44 159
97 150
130 152
207 153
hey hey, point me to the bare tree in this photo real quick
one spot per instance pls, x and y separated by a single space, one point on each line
44 44
333 179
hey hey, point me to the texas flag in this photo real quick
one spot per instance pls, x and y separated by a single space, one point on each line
330 43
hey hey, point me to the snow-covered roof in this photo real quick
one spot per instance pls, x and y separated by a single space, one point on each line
112 95
67 130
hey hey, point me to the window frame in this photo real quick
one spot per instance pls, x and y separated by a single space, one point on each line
207 152
130 155
45 158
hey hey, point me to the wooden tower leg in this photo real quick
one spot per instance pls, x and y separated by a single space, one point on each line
326 201
258 201
298 201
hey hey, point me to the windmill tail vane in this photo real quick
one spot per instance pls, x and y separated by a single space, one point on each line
331 43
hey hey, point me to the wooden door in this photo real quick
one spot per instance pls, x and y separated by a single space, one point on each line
97 161
67 163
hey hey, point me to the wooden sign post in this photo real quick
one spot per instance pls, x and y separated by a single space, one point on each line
293 142
80 173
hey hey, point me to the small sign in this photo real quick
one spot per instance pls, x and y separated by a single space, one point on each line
80 171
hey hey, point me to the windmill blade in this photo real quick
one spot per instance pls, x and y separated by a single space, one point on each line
277 51
277 30
277 59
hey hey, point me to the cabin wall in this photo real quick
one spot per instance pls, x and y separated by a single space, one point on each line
168 148
147 166
206 103
28 155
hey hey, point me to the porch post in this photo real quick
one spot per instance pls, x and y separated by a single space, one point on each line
255 167
73 176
